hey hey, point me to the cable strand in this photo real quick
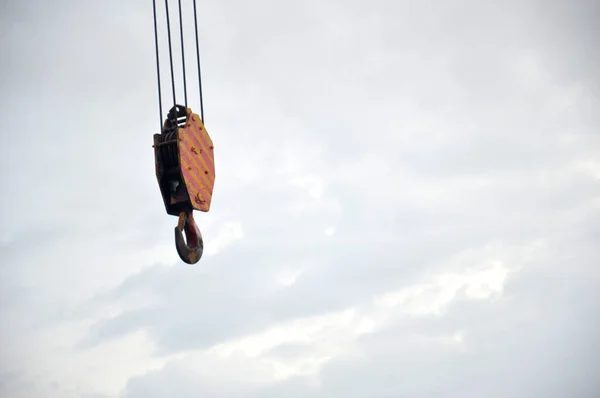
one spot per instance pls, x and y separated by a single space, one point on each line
170 52
157 68
182 55
198 60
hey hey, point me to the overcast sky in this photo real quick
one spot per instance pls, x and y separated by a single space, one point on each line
407 202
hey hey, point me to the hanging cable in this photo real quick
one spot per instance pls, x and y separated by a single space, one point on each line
182 55
198 59
170 52
160 115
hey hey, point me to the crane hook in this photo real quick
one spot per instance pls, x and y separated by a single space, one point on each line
189 252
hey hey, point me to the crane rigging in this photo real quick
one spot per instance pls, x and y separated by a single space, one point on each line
183 151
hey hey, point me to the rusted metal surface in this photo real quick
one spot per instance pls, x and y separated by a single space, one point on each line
197 160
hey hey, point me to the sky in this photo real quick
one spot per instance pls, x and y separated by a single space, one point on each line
407 201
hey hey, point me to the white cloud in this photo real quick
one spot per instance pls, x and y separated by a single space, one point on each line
251 360
289 277
590 167
312 184
228 234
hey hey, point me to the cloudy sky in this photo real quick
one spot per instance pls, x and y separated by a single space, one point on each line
407 202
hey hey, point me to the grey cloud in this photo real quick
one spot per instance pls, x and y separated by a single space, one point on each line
237 296
479 60
412 103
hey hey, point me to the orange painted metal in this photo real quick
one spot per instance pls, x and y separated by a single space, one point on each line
185 162
197 160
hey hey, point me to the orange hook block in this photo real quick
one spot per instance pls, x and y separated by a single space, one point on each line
185 169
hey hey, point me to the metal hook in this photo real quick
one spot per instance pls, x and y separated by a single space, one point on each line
189 252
